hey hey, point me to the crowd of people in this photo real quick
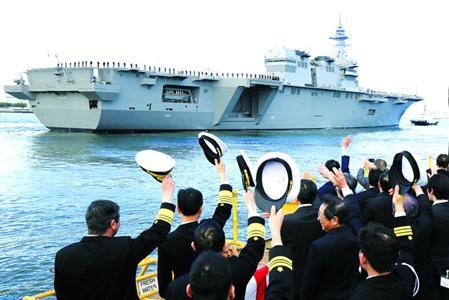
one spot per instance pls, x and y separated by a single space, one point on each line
354 237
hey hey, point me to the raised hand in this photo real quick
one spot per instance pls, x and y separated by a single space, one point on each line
338 178
398 200
275 221
221 170
346 141
418 190
324 171
250 202
368 164
168 188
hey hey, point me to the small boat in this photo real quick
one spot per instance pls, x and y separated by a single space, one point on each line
424 119
423 122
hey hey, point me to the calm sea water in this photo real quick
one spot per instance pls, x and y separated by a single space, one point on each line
47 180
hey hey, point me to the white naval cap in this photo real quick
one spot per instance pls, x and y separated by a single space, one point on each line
155 163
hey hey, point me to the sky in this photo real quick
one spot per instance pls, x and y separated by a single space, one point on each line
400 46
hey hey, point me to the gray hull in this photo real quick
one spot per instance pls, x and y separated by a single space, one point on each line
133 100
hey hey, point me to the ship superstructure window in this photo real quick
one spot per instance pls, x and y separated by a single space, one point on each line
371 112
302 64
179 94
330 69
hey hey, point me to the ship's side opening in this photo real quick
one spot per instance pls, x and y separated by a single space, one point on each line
250 102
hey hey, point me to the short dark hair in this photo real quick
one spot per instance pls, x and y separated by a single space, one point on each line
332 163
380 246
384 181
443 161
307 191
209 236
335 208
380 164
373 176
351 181
190 201
100 214
210 277
439 184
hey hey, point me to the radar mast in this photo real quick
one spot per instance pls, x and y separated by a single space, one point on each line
340 37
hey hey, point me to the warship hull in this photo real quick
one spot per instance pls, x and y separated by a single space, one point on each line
113 99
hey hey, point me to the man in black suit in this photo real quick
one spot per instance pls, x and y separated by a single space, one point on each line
443 164
102 266
210 236
438 189
386 255
380 208
299 230
378 164
422 229
372 190
331 270
175 255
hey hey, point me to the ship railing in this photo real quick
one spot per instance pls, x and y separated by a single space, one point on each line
388 94
162 70
146 279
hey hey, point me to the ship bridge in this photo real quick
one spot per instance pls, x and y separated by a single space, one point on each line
297 68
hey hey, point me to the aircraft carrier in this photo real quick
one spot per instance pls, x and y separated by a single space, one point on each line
297 92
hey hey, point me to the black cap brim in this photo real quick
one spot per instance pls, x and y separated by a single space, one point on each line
206 140
245 172
396 176
263 201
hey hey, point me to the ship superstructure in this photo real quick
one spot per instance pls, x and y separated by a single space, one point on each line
297 92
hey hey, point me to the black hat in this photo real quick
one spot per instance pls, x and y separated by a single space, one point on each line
212 146
155 163
406 171
246 170
277 178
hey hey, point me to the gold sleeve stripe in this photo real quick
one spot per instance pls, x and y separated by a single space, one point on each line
256 229
402 227
225 201
254 233
225 196
166 215
403 231
280 261
404 234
